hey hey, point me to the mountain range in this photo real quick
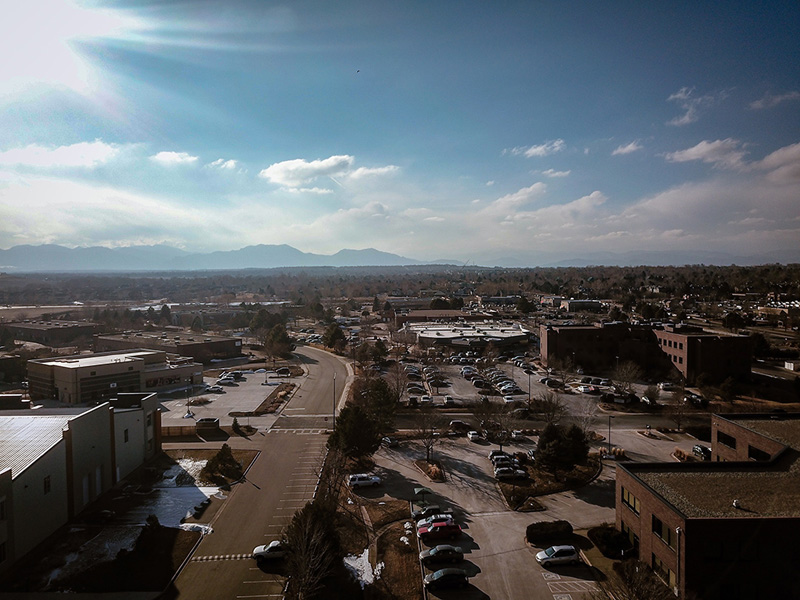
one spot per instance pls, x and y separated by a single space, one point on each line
56 258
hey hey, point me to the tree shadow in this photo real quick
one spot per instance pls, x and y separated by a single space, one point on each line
601 492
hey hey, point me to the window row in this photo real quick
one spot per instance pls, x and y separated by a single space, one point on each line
631 501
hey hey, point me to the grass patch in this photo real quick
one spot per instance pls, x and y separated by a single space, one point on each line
433 470
400 577
383 513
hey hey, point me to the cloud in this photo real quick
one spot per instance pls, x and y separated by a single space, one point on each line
361 172
221 163
294 173
783 165
517 199
627 149
174 158
490 183
545 149
691 105
82 154
435 219
727 153
769 101
554 173
311 190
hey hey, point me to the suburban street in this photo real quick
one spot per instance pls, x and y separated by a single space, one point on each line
281 480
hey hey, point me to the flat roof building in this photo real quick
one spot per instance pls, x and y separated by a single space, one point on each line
200 347
52 333
90 378
725 528
473 335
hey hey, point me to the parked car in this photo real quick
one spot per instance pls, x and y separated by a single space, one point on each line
426 400
273 550
460 426
446 579
517 435
439 518
558 555
510 473
362 480
216 389
389 442
532 454
495 453
432 509
650 402
439 530
474 436
448 401
440 554
505 461
702 452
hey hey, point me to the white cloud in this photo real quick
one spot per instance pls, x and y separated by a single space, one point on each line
311 190
174 158
221 163
769 101
367 172
554 173
82 154
727 153
634 146
490 183
545 149
783 165
691 105
516 200
435 219
294 173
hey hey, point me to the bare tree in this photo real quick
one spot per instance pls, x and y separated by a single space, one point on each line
428 426
626 374
549 406
563 369
677 409
313 550
586 414
636 581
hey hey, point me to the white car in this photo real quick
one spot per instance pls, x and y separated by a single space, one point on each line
270 551
426 400
362 480
473 436
559 555
517 435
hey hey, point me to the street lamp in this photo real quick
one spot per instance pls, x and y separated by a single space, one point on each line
334 401
609 433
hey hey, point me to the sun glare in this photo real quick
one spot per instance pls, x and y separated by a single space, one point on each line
38 40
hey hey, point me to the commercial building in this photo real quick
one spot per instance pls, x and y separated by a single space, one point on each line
90 378
466 336
670 351
55 462
724 529
201 348
52 333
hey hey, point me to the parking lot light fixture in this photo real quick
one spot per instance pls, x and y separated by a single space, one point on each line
609 433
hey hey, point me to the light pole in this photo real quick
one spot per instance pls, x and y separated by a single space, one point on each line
334 402
609 433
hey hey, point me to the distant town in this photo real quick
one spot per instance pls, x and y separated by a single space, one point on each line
397 431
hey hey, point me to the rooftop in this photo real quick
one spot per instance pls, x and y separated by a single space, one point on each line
169 338
783 428
92 360
24 437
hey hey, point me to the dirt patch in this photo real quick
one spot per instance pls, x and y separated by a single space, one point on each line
400 576
433 470
243 457
382 513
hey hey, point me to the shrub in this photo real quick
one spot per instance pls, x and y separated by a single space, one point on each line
609 541
546 530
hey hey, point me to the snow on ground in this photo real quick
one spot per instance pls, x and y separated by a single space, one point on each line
361 569
184 472
102 547
170 505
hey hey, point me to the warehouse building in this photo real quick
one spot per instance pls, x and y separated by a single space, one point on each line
199 347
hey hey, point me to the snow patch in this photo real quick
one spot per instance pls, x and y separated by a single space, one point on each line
204 529
405 540
361 569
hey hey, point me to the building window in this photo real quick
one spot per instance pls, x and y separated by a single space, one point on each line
125 435
680 345
666 575
47 484
631 501
726 440
2 509
631 535
754 453
666 534
2 552
680 360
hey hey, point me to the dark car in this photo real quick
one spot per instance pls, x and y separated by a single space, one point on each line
446 578
440 554
702 452
431 509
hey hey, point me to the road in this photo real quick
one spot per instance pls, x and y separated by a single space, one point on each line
281 480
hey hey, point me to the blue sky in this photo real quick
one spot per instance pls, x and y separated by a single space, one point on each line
428 129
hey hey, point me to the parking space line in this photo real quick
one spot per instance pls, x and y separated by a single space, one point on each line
571 586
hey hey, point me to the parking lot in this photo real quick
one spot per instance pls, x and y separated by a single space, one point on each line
497 557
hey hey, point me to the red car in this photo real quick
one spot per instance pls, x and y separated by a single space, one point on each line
439 531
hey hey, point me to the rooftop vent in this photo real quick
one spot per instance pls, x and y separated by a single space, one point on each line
737 504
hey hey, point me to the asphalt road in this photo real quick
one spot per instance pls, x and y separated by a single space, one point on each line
281 480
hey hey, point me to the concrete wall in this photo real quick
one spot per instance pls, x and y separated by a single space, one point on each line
37 512
91 457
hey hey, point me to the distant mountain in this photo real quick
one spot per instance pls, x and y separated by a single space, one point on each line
267 256
166 258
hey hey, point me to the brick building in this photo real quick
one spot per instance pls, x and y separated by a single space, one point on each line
671 351
724 529
52 333
202 348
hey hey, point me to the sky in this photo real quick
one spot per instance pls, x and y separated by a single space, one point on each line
464 130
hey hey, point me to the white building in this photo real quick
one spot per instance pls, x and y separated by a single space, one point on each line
55 462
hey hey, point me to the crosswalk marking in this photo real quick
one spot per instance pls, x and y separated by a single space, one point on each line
218 557
297 431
